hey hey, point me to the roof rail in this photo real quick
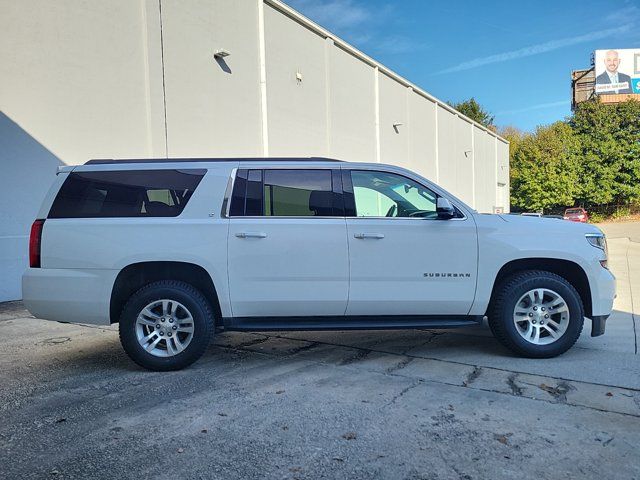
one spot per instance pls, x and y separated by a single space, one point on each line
108 161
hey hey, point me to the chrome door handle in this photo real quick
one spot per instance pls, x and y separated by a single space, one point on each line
251 235
375 236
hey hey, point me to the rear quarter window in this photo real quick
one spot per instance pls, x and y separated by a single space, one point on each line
125 193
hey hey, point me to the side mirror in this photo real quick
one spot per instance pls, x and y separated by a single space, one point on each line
444 209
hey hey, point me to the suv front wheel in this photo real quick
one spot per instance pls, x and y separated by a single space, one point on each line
537 314
166 325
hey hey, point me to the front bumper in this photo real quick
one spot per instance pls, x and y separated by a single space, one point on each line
603 292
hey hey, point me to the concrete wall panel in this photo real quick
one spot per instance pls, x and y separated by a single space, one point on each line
485 171
422 136
464 161
503 175
394 140
447 149
297 108
213 105
351 108
73 76
503 162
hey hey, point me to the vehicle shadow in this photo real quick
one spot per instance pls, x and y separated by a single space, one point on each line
100 354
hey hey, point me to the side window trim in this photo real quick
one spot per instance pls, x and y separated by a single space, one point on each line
238 193
338 195
254 195
348 195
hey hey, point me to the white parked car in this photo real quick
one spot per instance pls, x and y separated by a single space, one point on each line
174 250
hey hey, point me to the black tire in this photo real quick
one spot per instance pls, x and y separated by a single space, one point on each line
511 290
189 297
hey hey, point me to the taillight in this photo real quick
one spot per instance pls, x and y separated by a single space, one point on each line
35 241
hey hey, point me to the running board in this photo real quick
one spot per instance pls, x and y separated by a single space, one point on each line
359 322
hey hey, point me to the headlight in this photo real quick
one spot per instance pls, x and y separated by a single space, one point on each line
598 240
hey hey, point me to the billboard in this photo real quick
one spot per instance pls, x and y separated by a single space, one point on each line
617 71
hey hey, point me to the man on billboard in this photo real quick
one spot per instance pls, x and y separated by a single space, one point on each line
620 82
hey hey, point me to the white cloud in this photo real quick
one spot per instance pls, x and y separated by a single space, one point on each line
395 45
536 49
539 106
356 21
626 15
336 14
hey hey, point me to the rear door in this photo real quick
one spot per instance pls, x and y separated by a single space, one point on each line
287 243
403 260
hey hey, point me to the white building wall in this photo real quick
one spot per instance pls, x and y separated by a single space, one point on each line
447 149
502 190
394 134
138 78
352 115
463 139
296 88
73 85
422 130
485 171
213 105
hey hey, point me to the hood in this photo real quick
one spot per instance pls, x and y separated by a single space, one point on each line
550 224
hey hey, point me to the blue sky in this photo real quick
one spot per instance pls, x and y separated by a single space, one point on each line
514 57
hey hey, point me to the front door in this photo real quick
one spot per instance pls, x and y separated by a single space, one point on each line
287 244
403 259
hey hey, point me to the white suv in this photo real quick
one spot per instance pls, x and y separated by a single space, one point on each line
175 249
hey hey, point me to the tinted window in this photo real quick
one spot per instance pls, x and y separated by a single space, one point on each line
381 194
298 193
128 193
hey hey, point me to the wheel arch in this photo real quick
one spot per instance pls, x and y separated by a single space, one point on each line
570 271
134 276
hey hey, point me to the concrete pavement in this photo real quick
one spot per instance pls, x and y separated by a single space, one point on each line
398 404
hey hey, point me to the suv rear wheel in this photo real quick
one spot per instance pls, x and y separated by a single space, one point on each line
166 325
537 314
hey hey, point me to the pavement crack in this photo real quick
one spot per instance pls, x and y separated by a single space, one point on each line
358 356
251 343
95 327
400 365
432 336
303 348
403 392
559 392
515 389
472 376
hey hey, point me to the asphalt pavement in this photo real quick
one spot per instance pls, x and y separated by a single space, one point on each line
392 404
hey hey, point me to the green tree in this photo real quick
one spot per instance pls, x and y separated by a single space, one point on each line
472 109
514 136
544 168
609 138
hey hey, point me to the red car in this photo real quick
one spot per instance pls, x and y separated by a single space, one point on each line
576 215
